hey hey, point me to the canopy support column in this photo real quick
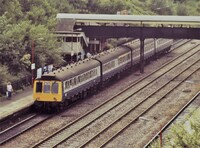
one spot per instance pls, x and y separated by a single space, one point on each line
142 55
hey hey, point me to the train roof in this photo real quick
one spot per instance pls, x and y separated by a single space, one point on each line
71 70
85 65
105 56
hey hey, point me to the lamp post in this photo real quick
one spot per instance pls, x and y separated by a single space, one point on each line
32 62
32 59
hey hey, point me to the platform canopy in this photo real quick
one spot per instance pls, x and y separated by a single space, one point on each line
133 26
91 19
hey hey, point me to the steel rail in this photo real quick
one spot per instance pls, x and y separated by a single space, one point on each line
67 126
21 127
109 140
172 120
140 103
15 125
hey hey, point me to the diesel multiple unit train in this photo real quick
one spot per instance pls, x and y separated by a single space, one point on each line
75 81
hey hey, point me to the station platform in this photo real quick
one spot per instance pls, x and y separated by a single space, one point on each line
18 102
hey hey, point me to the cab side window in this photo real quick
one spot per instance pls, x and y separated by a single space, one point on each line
39 87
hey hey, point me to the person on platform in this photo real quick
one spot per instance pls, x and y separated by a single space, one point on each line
88 55
9 90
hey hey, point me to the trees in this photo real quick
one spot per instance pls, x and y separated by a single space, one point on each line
161 7
62 6
3 73
110 7
173 7
11 9
181 9
45 46
18 33
184 7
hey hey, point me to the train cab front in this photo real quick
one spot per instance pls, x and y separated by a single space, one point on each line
47 93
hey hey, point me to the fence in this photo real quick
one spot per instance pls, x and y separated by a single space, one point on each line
17 85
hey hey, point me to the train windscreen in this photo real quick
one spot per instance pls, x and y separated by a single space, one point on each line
54 88
47 87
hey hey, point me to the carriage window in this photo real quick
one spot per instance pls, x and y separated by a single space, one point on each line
75 81
39 87
54 88
46 87
71 82
67 85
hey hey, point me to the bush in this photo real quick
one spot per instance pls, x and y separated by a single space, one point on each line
185 133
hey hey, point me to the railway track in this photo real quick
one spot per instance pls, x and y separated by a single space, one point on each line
103 112
25 124
22 126
30 122
128 118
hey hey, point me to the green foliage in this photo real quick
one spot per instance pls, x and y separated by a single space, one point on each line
181 10
184 7
81 5
161 7
17 46
39 12
185 134
62 6
45 45
25 61
111 7
12 46
11 9
23 23
3 73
